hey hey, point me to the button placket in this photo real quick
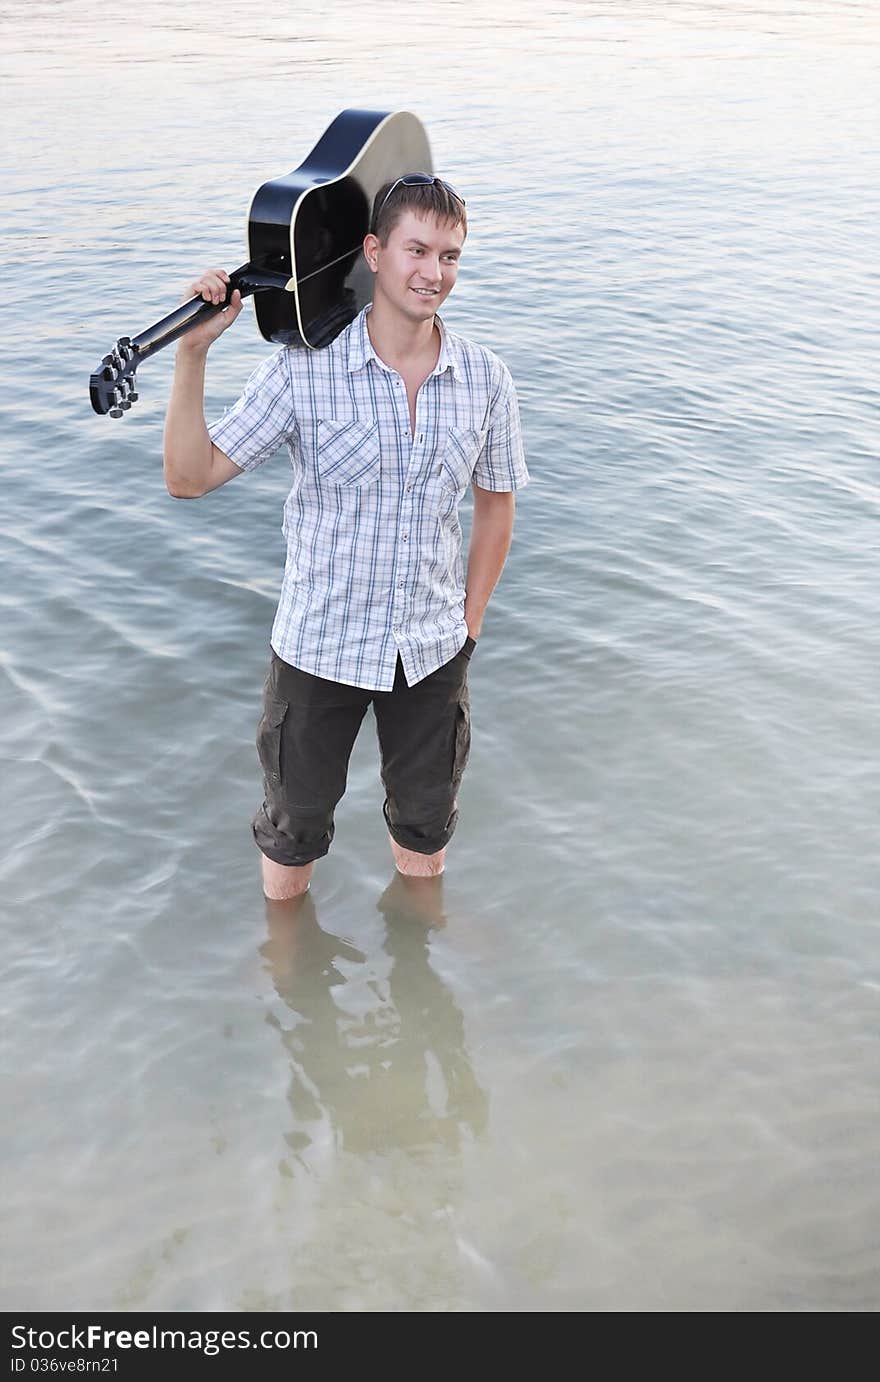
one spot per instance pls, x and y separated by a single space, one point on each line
418 435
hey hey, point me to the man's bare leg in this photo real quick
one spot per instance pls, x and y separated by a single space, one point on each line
280 882
417 865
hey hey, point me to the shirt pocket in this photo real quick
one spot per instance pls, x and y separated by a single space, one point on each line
347 453
456 465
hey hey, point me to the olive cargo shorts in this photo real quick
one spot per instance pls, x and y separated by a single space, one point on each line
305 739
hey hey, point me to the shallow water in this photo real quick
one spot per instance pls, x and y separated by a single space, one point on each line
630 1062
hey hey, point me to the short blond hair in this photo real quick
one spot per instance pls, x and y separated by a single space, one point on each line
425 198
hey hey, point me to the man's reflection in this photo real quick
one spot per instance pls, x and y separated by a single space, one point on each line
377 1043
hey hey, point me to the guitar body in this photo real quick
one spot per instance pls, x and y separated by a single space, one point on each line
305 236
310 225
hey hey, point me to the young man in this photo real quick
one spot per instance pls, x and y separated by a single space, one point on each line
386 427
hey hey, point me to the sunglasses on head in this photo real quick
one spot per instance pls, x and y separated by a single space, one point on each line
420 180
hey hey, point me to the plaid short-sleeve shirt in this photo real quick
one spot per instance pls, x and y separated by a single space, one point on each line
374 561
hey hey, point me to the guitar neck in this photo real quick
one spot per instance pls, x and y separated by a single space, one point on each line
111 387
248 279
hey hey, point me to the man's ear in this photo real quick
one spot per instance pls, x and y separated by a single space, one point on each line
371 246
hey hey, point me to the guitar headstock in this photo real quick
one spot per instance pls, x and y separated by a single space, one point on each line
112 386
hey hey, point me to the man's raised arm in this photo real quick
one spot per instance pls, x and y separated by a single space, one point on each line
193 464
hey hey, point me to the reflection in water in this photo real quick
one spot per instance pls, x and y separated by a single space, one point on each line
377 1045
383 1099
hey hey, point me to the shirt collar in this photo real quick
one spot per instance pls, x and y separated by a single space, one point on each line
361 352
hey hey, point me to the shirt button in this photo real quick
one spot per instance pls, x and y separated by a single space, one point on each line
409 487
403 537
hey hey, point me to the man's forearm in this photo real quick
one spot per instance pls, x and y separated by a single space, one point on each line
491 533
187 448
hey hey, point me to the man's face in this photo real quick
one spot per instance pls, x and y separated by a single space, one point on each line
417 269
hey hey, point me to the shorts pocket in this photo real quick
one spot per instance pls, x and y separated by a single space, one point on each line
467 647
269 740
462 740
347 453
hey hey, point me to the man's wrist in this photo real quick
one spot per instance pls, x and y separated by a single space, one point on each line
185 351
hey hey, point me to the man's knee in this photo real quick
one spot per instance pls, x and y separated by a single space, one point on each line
282 883
414 865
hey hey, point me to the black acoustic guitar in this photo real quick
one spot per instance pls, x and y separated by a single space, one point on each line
305 233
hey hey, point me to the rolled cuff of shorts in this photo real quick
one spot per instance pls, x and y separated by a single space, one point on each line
429 838
300 842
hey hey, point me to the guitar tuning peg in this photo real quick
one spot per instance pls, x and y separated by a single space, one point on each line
116 410
133 395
